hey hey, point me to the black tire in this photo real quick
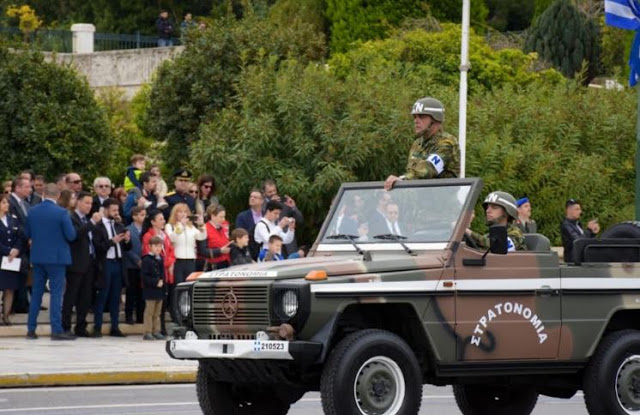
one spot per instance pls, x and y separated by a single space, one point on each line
220 398
495 399
629 230
609 381
375 361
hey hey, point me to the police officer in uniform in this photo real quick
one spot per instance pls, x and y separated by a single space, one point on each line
500 209
182 179
434 153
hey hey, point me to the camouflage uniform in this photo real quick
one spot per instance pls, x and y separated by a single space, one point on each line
515 241
428 155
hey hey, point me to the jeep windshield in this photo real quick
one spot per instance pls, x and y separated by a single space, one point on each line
422 214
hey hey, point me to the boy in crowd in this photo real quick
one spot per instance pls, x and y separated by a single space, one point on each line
240 254
273 251
152 272
132 178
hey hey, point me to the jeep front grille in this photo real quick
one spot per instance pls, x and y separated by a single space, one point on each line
230 306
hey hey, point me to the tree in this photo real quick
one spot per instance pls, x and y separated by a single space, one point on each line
451 11
358 20
565 37
196 85
49 119
510 15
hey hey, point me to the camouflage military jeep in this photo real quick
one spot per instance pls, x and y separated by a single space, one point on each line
379 309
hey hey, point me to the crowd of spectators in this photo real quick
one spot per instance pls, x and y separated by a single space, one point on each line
138 238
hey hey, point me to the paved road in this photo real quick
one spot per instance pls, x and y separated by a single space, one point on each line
181 399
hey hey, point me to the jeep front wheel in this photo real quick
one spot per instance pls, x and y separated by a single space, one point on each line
495 399
612 378
371 372
221 398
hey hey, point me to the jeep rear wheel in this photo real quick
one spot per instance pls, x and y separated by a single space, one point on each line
371 372
612 378
221 398
495 399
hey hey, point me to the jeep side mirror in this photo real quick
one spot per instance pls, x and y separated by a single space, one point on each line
498 240
497 245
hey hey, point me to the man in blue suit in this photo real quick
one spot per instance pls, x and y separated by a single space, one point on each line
248 219
50 229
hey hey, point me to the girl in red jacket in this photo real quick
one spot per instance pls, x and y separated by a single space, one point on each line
217 238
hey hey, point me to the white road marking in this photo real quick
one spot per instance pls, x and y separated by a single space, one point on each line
101 388
135 405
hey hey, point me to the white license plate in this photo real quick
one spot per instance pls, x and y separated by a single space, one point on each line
270 346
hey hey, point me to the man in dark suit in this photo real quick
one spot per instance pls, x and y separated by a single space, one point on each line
80 274
102 188
33 198
19 207
50 229
111 239
571 228
248 219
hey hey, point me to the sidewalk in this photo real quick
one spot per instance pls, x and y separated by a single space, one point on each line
89 361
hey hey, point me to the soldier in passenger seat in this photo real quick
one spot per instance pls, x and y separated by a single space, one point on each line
500 209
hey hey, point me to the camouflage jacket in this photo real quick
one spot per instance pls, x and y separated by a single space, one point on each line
435 157
515 239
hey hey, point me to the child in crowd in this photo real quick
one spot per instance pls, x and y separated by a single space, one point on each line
152 272
240 254
132 178
161 189
273 251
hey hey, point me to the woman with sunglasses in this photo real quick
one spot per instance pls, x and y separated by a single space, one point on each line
206 189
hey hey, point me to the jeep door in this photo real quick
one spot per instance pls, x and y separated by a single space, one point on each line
509 308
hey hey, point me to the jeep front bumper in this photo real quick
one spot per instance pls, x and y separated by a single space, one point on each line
195 349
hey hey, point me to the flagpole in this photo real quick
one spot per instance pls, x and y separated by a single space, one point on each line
638 157
464 68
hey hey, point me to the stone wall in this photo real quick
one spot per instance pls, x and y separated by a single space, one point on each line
125 69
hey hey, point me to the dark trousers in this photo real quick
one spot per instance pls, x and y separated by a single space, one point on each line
181 270
79 294
109 294
21 296
165 302
134 300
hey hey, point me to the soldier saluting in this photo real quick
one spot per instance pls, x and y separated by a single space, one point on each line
500 209
434 153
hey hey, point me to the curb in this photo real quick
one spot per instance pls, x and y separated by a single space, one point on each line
97 378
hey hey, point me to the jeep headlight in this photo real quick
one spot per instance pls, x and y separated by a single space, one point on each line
290 303
184 304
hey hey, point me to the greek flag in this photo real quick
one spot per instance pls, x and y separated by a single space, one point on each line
625 14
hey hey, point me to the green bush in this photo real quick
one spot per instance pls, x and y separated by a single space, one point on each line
199 82
127 136
566 38
357 20
510 15
451 11
437 55
552 143
283 12
49 119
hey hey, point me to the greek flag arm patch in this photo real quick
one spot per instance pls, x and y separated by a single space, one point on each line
437 162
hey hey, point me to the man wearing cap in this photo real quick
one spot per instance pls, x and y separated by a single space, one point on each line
181 194
434 153
524 222
500 209
571 229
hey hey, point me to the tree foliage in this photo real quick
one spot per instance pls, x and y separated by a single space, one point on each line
436 55
191 89
451 11
510 15
358 20
566 37
128 139
49 119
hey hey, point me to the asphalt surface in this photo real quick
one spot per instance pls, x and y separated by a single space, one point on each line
181 399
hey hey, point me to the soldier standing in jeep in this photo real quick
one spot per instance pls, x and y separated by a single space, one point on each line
434 154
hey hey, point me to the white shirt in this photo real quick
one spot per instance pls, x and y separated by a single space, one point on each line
111 253
184 243
265 228
393 228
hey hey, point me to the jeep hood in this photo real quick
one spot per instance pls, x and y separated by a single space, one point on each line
333 266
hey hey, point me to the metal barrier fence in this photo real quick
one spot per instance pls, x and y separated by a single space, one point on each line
61 41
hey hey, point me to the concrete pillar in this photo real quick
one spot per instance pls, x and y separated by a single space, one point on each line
83 37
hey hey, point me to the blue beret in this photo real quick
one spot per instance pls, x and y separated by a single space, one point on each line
522 201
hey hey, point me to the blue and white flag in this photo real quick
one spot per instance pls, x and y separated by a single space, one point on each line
625 14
